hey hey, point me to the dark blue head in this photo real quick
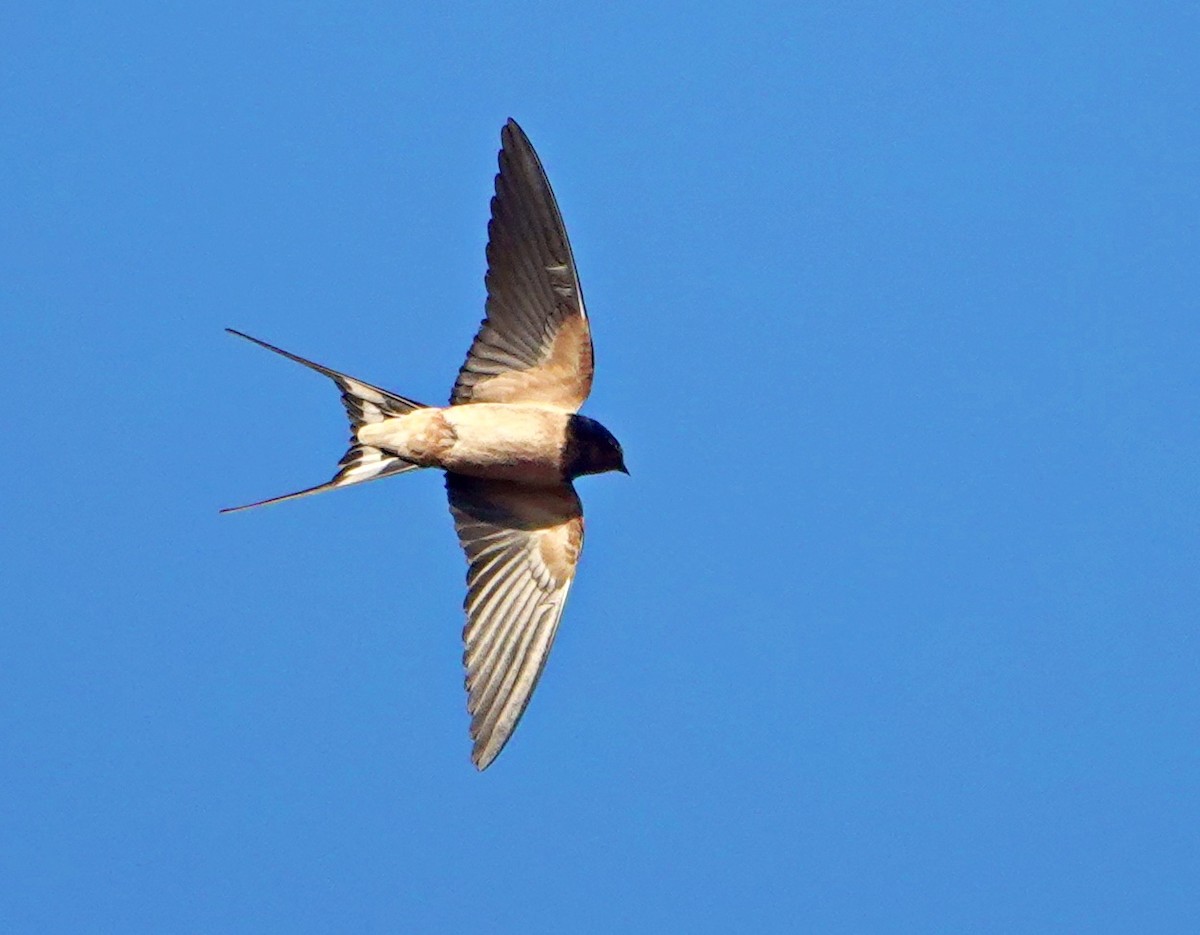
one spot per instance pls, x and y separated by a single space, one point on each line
591 449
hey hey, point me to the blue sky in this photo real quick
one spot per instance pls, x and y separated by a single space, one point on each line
892 628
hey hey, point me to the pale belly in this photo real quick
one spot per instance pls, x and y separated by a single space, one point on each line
491 440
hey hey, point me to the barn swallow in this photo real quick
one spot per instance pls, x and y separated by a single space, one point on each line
511 443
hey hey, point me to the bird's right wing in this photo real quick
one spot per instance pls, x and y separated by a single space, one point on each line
522 545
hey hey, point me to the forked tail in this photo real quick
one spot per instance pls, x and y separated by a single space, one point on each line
365 404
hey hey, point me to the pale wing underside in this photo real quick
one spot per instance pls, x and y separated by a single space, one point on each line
522 545
365 404
535 345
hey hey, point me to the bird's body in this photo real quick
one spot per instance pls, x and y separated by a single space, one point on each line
511 442
494 441
532 445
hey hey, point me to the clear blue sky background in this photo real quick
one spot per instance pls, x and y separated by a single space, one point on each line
892 629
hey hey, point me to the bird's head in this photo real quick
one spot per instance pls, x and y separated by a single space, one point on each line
591 449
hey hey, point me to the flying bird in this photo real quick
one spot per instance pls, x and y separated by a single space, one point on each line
511 443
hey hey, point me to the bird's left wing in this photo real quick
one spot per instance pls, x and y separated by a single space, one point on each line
522 545
535 345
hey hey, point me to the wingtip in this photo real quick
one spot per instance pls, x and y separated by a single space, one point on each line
484 750
482 759
512 133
